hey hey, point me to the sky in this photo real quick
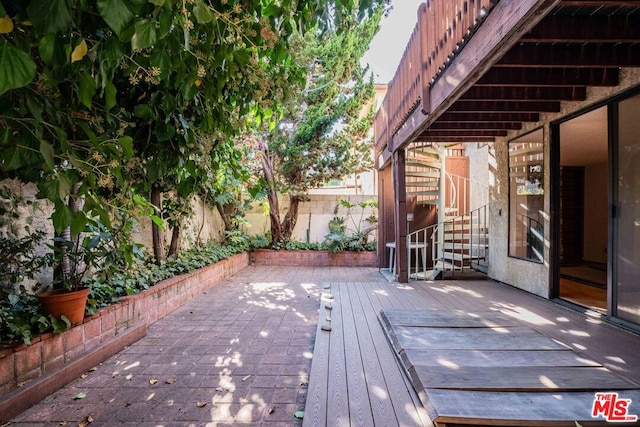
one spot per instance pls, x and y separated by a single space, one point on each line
388 45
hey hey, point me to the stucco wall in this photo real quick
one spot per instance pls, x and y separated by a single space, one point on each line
313 216
205 224
526 275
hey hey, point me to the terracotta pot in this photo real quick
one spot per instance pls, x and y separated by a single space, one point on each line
60 302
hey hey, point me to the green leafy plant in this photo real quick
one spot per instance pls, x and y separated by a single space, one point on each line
20 261
342 238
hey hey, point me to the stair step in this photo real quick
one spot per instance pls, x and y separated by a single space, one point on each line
464 238
446 266
419 174
457 256
430 184
422 163
424 193
464 246
459 226
424 149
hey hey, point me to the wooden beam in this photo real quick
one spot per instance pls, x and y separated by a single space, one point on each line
455 139
586 29
478 126
527 93
551 77
400 214
510 105
502 28
572 55
462 132
600 3
489 117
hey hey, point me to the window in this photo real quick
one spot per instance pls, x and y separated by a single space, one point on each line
526 197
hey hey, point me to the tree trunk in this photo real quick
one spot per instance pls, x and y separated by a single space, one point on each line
291 218
228 226
64 269
156 231
272 196
174 247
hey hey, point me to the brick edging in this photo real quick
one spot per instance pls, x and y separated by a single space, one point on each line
311 258
51 352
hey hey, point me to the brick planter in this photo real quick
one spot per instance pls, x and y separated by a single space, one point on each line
50 352
313 258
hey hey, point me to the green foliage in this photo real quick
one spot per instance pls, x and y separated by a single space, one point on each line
294 245
322 131
342 238
259 242
21 318
119 95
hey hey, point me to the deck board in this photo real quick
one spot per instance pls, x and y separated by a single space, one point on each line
519 378
407 407
381 404
518 409
566 357
476 338
338 404
520 364
579 341
359 402
316 403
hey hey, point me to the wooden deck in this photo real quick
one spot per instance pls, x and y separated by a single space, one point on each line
356 378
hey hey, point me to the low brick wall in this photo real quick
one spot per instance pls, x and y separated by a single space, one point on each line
313 258
49 352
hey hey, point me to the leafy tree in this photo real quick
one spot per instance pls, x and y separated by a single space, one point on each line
100 100
322 132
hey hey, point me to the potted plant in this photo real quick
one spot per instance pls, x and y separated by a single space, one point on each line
77 258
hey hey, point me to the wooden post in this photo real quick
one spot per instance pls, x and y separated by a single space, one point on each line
400 214
382 219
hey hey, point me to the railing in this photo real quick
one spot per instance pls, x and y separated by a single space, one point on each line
443 28
465 194
465 240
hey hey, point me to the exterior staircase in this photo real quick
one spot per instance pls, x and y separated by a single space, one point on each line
460 240
422 174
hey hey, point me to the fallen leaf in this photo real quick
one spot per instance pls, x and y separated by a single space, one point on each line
153 381
171 380
79 396
86 421
201 404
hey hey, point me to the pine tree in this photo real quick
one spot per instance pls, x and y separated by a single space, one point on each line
322 134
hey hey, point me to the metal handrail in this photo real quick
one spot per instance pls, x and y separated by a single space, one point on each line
469 187
473 224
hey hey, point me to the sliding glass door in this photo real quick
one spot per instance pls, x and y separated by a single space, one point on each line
626 256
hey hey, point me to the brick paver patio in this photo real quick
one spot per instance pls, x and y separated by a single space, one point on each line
238 354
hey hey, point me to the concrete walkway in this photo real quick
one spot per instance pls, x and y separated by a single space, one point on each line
238 354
